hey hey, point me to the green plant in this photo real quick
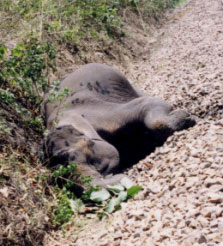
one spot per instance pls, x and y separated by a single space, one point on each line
66 206
26 70
23 78
66 174
110 199
35 122
4 129
56 96
67 203
106 200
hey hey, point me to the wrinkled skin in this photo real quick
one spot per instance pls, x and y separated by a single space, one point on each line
107 125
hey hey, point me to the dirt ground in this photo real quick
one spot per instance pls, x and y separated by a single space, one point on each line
182 199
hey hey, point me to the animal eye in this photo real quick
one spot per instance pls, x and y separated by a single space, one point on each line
90 160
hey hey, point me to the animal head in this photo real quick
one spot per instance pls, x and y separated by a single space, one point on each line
66 144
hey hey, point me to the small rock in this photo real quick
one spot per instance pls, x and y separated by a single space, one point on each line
137 234
202 239
220 227
117 235
215 198
181 224
4 191
158 214
203 221
104 243
117 242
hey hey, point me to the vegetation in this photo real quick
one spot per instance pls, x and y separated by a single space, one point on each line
24 202
105 200
70 21
32 32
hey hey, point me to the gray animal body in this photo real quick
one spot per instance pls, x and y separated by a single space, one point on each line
107 125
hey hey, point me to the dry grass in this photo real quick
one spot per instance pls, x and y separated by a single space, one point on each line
24 201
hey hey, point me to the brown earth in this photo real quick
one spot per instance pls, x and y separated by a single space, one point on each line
182 200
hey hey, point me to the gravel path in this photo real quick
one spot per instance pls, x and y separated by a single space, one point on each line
182 200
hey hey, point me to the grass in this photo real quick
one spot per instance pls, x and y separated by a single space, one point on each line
24 202
72 21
